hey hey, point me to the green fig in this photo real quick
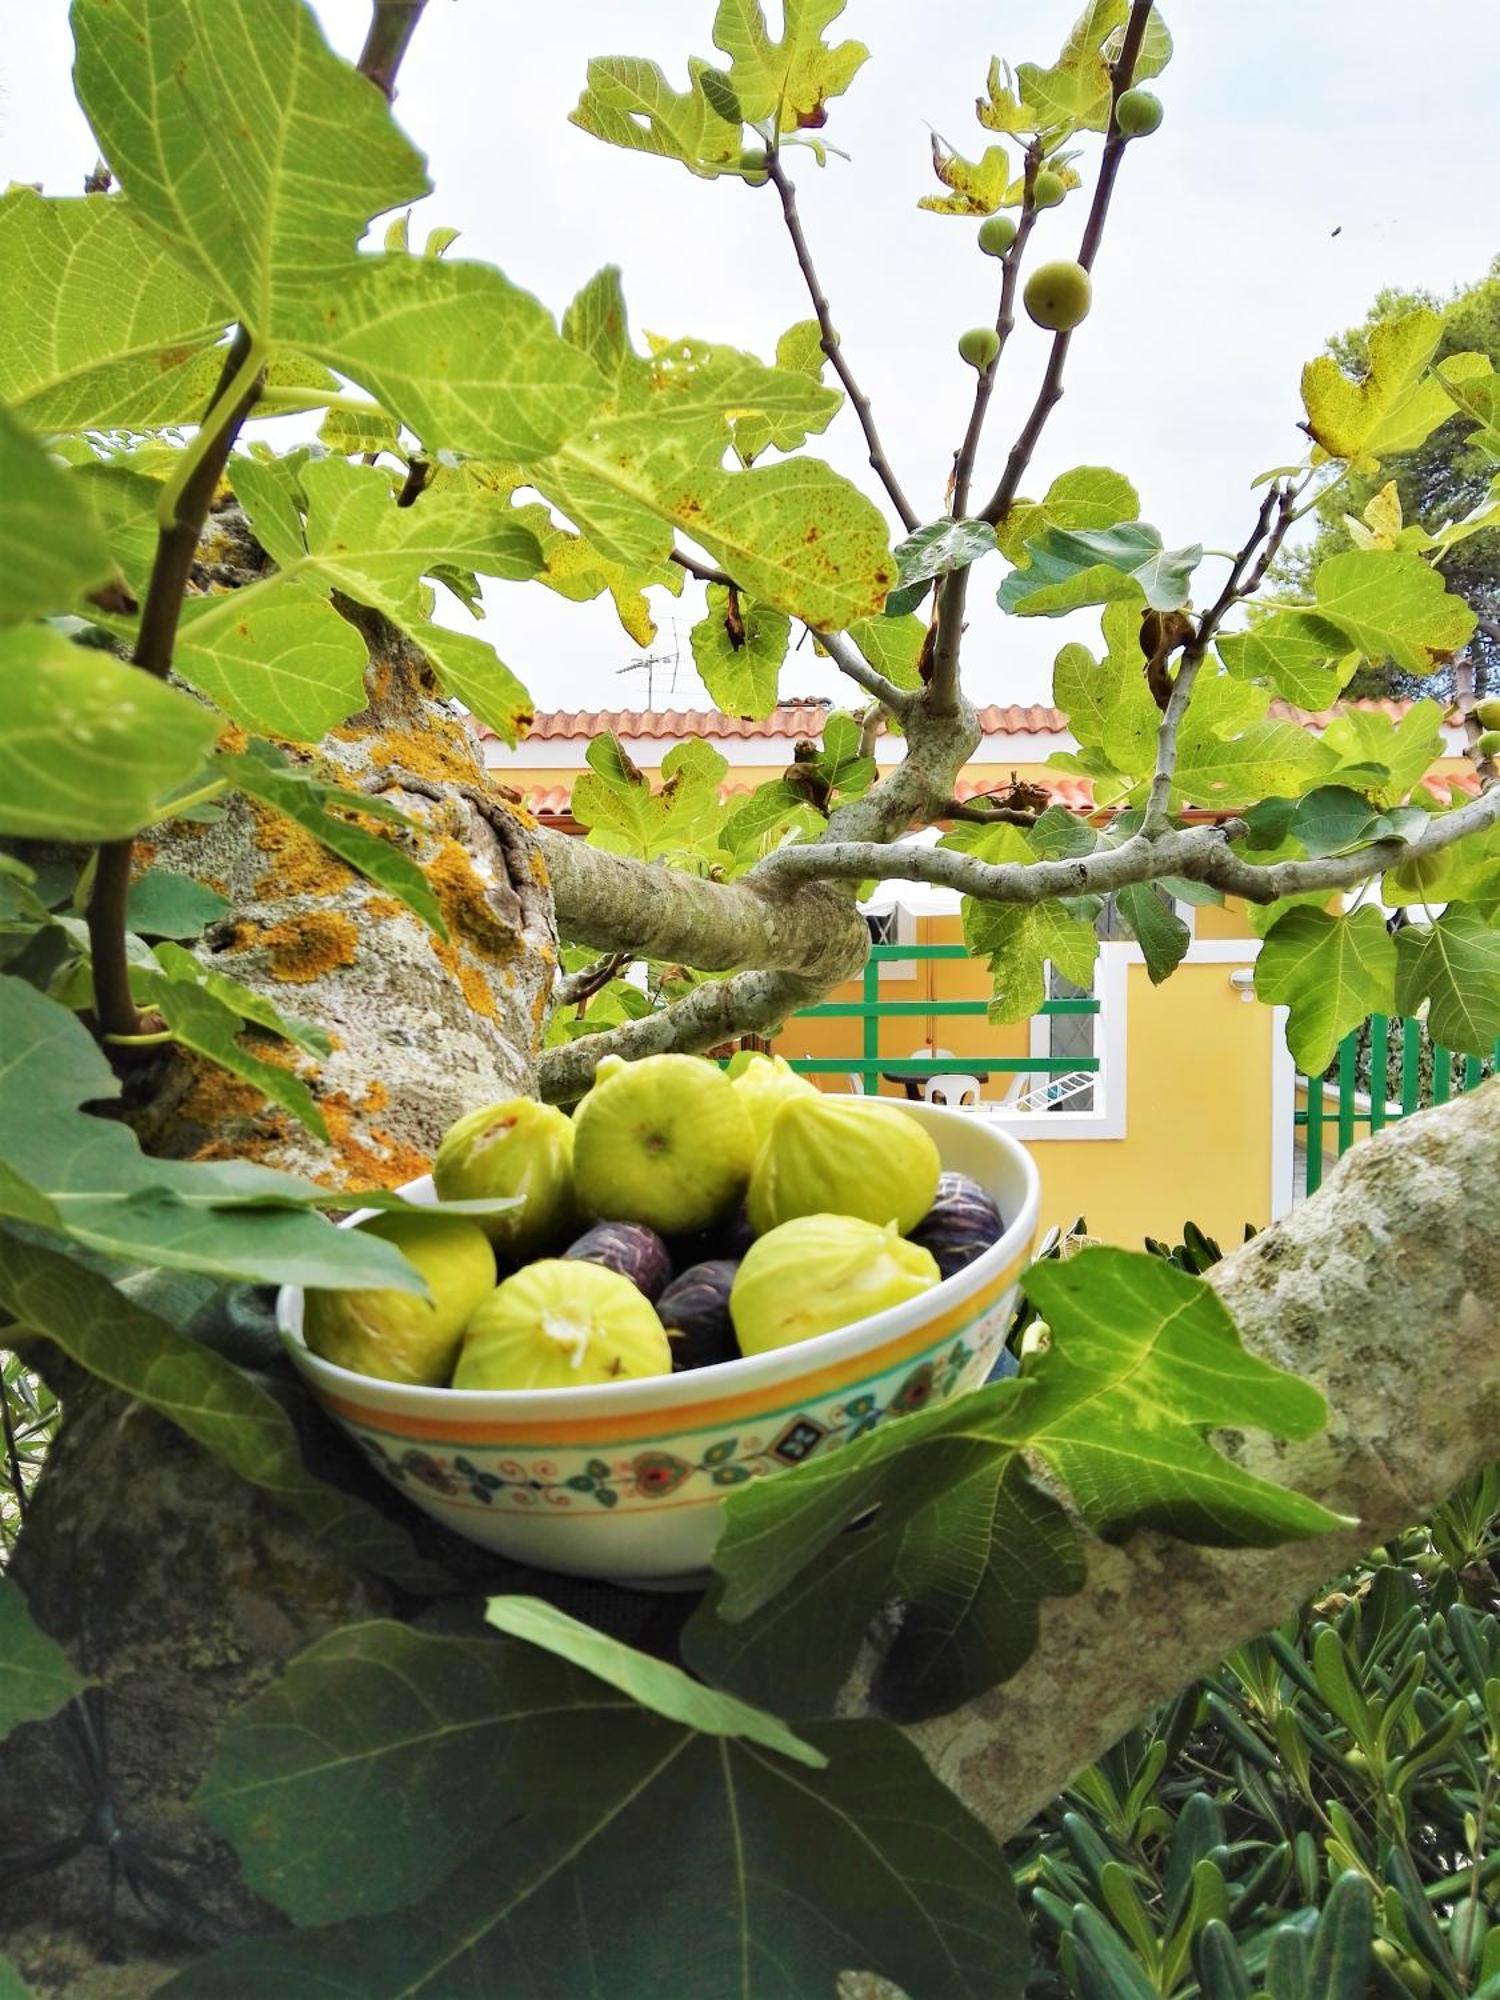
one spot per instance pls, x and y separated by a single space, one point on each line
1058 295
1048 189
996 234
1487 712
1138 113
1489 743
979 347
819 1272
397 1336
559 1324
522 1149
844 1156
665 1141
763 1084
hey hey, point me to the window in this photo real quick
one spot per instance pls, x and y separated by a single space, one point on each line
897 925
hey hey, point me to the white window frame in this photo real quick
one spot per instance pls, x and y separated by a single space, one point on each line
1106 1118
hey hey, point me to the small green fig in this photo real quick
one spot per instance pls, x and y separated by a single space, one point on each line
996 234
1138 113
819 1272
763 1084
979 347
1048 189
518 1148
665 1141
844 1156
559 1324
1487 712
1489 743
397 1336
1058 295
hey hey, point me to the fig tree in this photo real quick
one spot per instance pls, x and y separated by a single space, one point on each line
397 1336
996 234
819 1272
1489 744
665 1141
559 1324
1138 113
1487 712
979 347
1048 189
1058 295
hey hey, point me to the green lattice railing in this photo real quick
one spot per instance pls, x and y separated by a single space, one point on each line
1393 1066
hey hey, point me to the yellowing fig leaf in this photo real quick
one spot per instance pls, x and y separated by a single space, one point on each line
628 102
976 187
789 81
1395 405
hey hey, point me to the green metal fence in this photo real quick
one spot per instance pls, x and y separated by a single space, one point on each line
870 1010
1395 1068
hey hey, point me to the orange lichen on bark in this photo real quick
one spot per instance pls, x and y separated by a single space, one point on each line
465 903
381 907
142 854
442 755
232 738
301 866
372 1155
476 990
303 948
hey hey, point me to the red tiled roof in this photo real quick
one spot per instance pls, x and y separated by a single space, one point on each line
805 718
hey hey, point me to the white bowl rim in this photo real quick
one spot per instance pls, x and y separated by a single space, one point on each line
720 1381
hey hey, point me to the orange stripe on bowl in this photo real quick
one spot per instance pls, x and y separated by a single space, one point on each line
683 1416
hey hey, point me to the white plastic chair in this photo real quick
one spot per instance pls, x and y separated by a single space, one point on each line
955 1090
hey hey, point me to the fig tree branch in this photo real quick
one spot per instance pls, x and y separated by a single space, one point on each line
848 661
1333 1292
705 572
576 987
392 25
717 1011
879 463
1202 853
1246 574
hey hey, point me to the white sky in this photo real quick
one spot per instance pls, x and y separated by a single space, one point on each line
1219 275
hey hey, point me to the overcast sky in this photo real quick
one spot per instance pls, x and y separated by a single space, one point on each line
1220 273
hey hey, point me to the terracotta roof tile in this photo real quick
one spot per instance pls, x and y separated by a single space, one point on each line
805 718
551 802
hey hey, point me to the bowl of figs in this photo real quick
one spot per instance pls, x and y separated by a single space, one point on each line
701 1277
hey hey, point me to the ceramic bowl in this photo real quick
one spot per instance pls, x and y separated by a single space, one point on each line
625 1480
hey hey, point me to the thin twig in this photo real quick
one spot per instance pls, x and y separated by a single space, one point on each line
880 464
1245 577
974 814
898 700
1005 320
392 25
578 987
1001 500
705 572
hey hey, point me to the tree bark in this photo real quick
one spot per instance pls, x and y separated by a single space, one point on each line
1384 1291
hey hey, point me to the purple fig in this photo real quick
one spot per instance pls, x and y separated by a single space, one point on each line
630 1248
695 1311
961 1224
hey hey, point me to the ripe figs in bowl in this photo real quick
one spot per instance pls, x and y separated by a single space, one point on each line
399 1336
695 1311
559 1325
626 1479
665 1141
518 1148
630 1248
854 1156
963 1221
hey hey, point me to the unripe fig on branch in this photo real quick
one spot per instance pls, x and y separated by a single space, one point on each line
1058 295
1048 189
996 234
979 347
1138 113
